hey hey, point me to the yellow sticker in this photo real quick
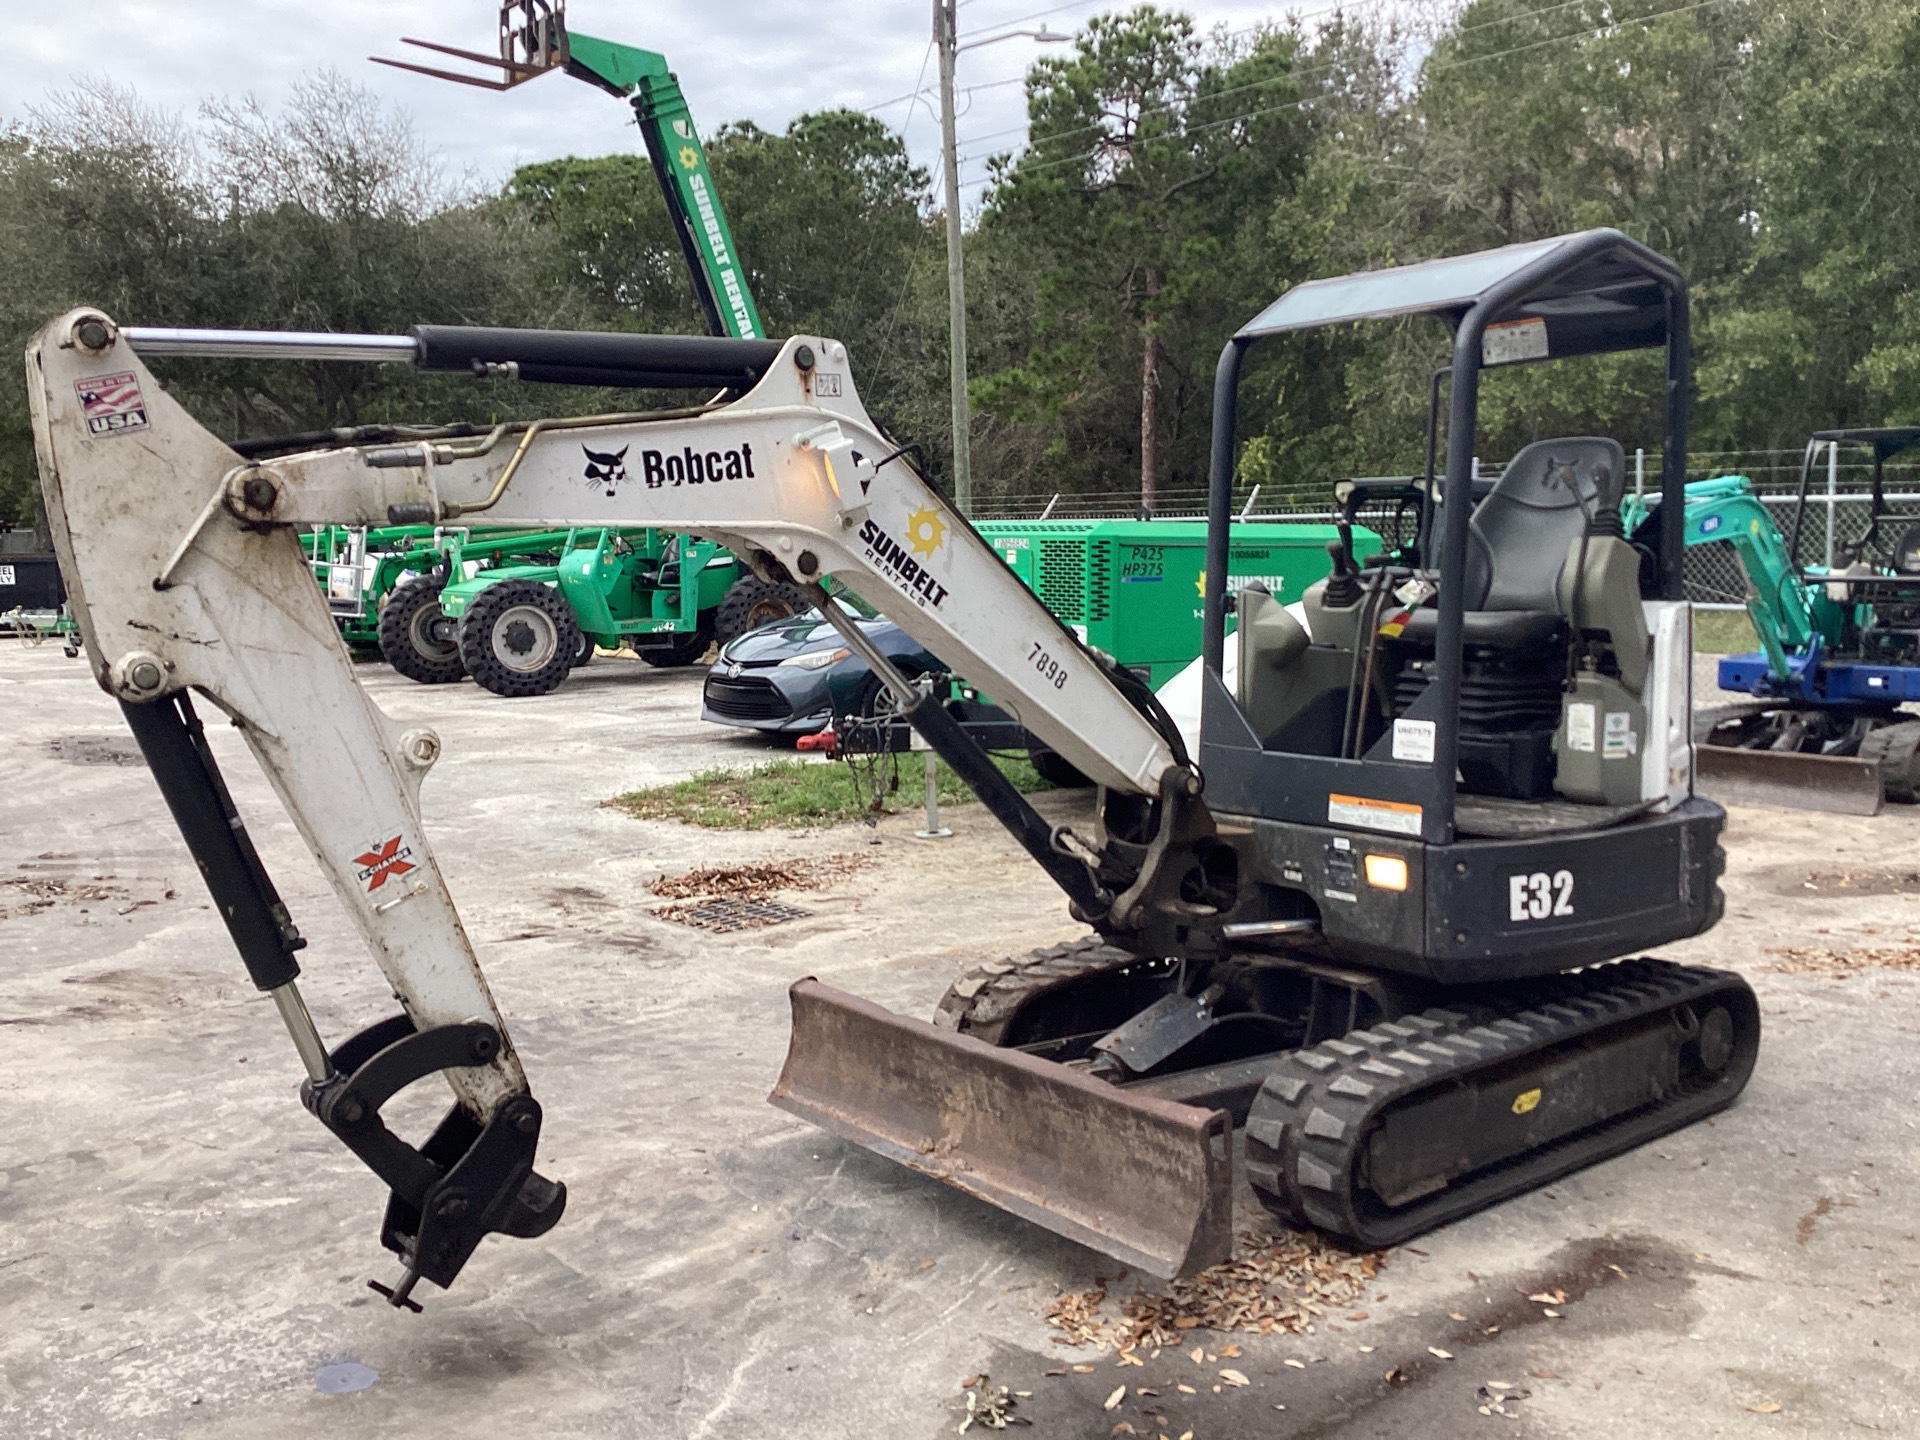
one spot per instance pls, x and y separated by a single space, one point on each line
1525 1101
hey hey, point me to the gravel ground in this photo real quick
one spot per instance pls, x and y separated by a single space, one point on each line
182 1249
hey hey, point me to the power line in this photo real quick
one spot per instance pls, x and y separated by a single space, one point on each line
1593 33
1362 5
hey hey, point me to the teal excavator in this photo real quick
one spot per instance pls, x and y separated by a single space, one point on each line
1823 726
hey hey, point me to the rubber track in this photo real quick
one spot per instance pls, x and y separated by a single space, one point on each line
1309 1126
984 1001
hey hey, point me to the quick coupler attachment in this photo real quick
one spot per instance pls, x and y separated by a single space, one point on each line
468 1181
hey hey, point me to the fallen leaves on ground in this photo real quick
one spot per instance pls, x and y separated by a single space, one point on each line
1766 1407
1113 1400
758 881
33 893
990 1406
1840 964
1496 1395
1274 1283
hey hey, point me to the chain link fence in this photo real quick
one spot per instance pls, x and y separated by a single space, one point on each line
1838 509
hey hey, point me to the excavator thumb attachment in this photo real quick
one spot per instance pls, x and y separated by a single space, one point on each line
1788 779
1145 1180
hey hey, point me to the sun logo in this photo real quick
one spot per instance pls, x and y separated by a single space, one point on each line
689 158
926 532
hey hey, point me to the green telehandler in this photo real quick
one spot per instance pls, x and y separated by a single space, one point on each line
424 596
519 628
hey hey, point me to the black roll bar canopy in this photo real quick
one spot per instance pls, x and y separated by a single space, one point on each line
1886 442
1590 293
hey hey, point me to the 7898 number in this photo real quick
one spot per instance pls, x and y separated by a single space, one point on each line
1050 669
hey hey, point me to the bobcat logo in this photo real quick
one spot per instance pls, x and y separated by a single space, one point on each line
607 470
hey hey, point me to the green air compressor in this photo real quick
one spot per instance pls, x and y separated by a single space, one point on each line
1136 588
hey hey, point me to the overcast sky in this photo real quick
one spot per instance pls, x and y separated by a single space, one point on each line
763 60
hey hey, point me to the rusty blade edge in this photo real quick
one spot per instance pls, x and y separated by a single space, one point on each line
1832 784
1201 1238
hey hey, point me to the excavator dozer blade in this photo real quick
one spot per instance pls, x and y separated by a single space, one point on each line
1145 1180
1788 779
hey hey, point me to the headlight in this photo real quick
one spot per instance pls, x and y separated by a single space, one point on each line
818 659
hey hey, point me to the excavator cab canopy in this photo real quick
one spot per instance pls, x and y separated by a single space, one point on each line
1902 552
1488 582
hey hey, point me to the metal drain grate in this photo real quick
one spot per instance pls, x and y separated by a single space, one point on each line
722 916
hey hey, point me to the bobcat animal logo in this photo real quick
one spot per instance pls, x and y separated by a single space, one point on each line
607 470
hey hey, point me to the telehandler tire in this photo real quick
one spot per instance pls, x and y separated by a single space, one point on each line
687 649
518 638
751 602
582 651
416 636
1059 773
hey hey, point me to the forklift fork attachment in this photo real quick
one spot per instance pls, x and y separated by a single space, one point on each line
1145 1180
1786 778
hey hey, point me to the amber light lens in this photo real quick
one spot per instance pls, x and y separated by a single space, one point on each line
1386 872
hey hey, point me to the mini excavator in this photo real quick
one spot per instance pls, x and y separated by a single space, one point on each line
1378 922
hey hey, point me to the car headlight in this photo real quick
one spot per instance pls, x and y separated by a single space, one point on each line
818 659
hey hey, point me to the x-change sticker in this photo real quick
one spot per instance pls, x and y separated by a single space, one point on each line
387 859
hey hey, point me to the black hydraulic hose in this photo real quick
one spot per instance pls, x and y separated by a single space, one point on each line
1370 621
1140 695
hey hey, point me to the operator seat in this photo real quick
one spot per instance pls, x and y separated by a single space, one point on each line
1519 539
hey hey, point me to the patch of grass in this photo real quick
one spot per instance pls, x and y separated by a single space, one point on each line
796 792
1723 632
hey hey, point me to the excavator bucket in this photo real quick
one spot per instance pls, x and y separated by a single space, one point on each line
1788 779
1145 1180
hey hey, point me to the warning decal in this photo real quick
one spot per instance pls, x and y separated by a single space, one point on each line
112 404
1367 813
384 860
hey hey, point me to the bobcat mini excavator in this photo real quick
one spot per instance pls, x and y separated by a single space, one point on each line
1378 923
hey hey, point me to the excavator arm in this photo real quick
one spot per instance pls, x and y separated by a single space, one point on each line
186 576
1726 509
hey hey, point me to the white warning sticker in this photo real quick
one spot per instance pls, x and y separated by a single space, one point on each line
1512 341
1365 813
1413 741
1580 726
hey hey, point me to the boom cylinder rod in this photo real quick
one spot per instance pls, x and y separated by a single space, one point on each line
270 344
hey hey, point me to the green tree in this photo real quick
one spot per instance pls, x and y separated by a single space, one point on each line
325 216
1153 153
826 217
1823 329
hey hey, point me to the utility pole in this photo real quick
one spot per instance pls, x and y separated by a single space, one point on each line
945 36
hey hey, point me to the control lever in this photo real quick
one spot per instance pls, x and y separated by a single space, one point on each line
1343 585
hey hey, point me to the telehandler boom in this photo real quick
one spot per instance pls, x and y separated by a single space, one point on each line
1357 943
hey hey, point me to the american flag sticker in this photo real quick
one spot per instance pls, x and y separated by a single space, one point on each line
112 404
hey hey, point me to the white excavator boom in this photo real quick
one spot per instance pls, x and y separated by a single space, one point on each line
185 574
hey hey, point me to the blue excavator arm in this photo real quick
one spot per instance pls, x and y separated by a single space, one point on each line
1726 509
